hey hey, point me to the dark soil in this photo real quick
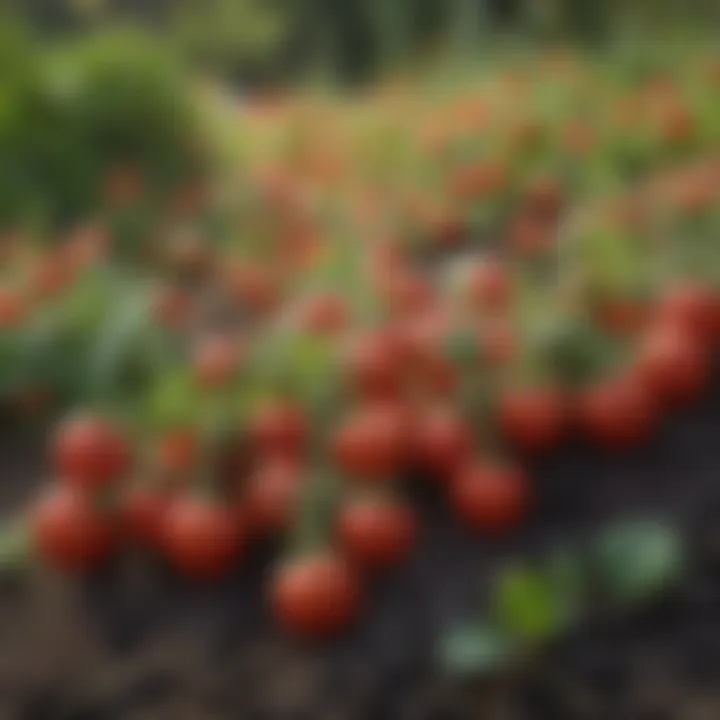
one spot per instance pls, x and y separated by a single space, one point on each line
136 644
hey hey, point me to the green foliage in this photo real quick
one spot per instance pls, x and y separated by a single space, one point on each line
625 564
636 560
71 114
473 650
226 36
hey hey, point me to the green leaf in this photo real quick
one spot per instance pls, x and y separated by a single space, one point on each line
117 345
174 399
475 650
636 560
524 604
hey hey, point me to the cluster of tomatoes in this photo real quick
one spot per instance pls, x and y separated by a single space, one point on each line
357 364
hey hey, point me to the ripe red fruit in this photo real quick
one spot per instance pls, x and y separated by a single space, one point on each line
716 316
618 412
279 428
143 515
315 597
373 442
89 451
12 308
543 196
622 316
67 532
489 497
488 285
178 450
532 418
271 494
376 533
530 236
446 228
252 286
171 307
406 292
201 538
51 275
673 363
87 244
324 315
216 359
497 342
691 306
479 180
677 125
373 365
441 441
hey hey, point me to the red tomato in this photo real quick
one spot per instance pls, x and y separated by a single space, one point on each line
87 245
479 180
373 442
716 316
422 334
253 286
315 597
677 125
279 428
617 413
441 441
12 308
271 494
488 285
673 363
497 342
143 515
446 229
489 497
215 361
622 316
544 196
178 450
67 532
436 374
88 451
171 307
324 315
532 418
373 365
691 306
384 259
406 293
51 275
376 533
200 537
530 236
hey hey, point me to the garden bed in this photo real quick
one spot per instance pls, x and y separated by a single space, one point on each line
135 643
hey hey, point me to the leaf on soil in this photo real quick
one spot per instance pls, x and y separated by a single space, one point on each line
475 650
636 560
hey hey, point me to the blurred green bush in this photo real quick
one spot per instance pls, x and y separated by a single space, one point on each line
75 111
